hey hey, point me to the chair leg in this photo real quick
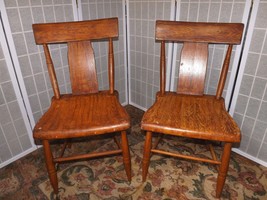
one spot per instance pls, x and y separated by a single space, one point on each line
146 156
126 154
50 165
223 168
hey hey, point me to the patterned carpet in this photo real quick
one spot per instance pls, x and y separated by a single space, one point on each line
105 178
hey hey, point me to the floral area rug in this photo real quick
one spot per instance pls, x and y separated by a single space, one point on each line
168 178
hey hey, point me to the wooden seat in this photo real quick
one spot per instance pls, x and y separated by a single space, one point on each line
188 112
86 111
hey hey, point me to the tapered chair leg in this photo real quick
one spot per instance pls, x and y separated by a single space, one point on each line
223 168
126 154
50 165
146 157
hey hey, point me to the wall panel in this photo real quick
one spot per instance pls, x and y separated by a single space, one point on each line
21 16
250 100
144 51
15 130
104 9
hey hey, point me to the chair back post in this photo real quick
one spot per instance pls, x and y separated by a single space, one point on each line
51 71
224 72
111 66
162 68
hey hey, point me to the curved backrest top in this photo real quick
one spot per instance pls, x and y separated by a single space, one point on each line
196 36
206 32
75 31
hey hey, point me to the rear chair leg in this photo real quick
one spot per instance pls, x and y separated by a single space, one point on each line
223 168
50 165
126 155
146 156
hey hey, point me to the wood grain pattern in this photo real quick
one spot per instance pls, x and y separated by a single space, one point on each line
202 117
50 33
87 111
111 66
82 115
162 68
82 67
224 33
51 72
224 72
192 71
188 112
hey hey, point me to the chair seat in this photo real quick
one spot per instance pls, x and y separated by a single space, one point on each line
201 117
82 115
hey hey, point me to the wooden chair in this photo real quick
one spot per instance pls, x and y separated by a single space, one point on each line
87 111
189 112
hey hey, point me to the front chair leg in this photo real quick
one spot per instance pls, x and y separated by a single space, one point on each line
126 155
50 165
223 168
146 156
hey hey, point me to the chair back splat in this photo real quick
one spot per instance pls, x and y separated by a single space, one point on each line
194 56
189 112
87 111
78 36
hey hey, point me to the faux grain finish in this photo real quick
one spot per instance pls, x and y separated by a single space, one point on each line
188 112
218 33
162 68
51 72
87 111
82 67
224 72
201 117
194 59
82 115
48 33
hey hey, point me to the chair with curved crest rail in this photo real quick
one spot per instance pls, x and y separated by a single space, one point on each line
188 112
86 111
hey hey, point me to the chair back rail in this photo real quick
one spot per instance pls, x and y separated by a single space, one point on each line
194 55
224 33
75 31
78 36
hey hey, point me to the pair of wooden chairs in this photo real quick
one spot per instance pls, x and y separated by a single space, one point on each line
87 112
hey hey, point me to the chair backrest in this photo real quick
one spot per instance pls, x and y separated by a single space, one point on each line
196 37
78 36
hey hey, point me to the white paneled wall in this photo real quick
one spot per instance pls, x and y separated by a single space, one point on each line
15 130
249 105
143 51
31 60
104 9
30 69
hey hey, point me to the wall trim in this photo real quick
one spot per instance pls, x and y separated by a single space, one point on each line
125 11
24 153
137 106
257 160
